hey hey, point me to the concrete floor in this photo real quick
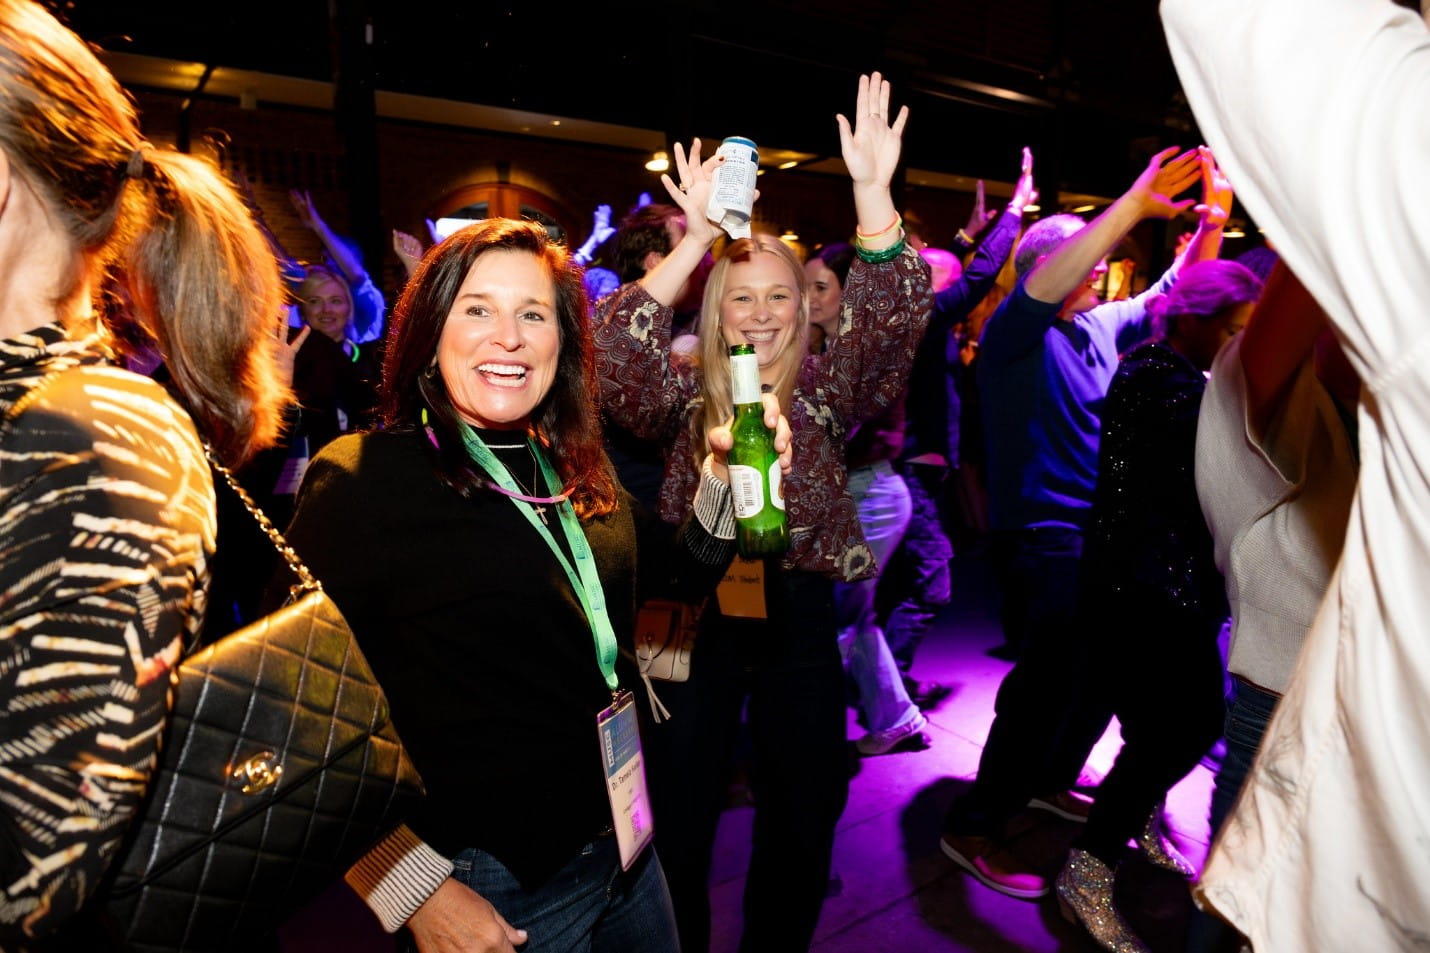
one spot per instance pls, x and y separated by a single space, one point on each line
897 892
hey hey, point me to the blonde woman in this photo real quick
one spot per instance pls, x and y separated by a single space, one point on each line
786 663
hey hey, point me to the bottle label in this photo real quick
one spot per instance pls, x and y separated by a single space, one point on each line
745 378
747 491
777 490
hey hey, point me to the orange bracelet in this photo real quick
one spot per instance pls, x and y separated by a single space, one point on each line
898 220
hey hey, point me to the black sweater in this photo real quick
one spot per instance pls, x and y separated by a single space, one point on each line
480 642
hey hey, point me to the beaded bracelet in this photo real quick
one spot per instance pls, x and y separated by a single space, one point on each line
881 255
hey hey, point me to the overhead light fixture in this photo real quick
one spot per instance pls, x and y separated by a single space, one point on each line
556 122
790 235
1083 208
788 165
1032 208
1233 232
660 162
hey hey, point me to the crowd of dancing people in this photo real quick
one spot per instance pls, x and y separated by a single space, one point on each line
536 440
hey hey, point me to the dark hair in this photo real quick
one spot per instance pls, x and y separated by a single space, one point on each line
641 232
837 257
166 226
1204 290
565 420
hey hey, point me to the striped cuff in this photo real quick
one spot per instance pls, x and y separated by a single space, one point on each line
713 506
397 876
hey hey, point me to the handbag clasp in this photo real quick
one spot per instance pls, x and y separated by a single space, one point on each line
259 772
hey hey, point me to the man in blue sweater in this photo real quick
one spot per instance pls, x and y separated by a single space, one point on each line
1046 358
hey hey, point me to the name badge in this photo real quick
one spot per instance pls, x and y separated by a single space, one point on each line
742 592
625 777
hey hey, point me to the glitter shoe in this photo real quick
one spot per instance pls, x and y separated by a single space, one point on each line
1159 850
1084 888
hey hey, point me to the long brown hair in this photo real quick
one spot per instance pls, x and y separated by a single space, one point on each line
199 275
717 403
565 420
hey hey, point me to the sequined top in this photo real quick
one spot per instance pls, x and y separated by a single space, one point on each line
885 309
1147 544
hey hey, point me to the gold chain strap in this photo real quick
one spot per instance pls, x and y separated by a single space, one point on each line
306 580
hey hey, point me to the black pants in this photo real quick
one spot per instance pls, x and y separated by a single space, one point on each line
1046 717
788 670
1161 674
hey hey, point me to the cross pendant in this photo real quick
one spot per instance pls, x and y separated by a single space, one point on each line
541 512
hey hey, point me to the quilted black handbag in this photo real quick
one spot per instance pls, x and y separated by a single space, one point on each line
280 767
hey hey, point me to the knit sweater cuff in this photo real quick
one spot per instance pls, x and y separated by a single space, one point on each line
710 537
397 876
713 505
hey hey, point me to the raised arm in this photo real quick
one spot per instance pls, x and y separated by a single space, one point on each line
1212 213
601 229
1329 161
1151 196
871 153
887 299
343 256
664 281
1278 341
953 303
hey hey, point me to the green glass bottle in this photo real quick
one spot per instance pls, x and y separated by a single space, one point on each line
760 527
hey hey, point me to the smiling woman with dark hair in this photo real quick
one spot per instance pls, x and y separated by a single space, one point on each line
498 615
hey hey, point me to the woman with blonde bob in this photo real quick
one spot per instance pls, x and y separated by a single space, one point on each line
777 647
107 521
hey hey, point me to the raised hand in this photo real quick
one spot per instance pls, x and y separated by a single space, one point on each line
978 217
408 249
871 148
1215 207
1025 193
693 192
287 351
1165 178
303 204
601 227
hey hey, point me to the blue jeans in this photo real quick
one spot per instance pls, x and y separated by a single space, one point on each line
1248 712
919 580
884 505
590 906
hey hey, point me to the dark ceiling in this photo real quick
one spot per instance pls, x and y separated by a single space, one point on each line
1088 85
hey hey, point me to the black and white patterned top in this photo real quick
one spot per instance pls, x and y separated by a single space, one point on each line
106 530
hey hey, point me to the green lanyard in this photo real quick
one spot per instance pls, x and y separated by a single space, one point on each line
583 576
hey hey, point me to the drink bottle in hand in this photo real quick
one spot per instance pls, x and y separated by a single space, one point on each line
760 526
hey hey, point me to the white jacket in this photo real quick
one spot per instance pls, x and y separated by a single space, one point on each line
1319 110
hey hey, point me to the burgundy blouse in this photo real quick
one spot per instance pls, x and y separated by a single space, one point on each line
884 311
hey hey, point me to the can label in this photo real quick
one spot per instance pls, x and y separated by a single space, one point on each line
732 192
747 491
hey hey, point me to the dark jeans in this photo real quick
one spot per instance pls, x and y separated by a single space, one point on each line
1248 712
787 669
1162 676
1046 720
917 582
589 906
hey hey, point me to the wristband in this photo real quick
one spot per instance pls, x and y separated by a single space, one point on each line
881 255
